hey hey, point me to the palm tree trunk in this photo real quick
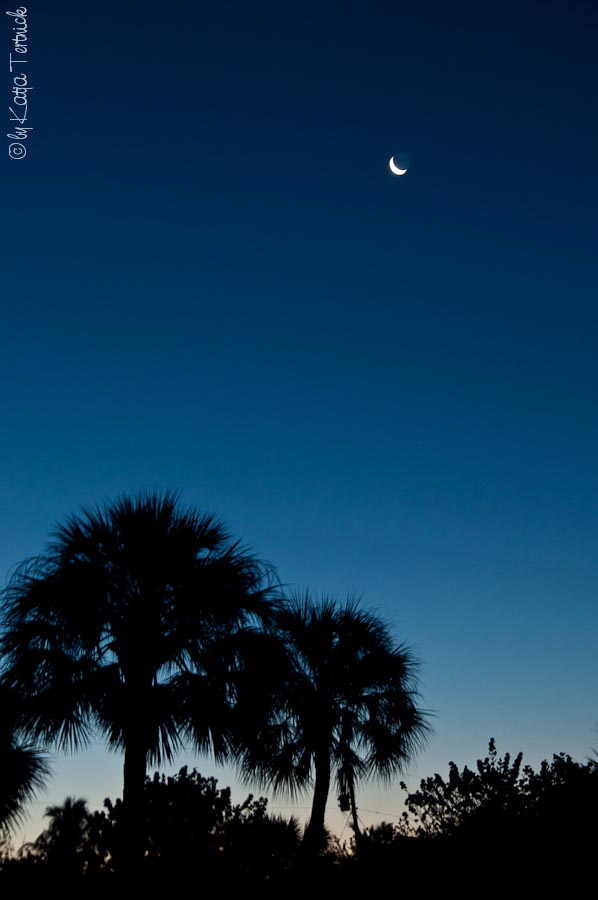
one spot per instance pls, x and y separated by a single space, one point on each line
313 840
133 837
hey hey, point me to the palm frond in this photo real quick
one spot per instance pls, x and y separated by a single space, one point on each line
24 767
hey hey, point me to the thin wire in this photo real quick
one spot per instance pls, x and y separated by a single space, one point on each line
344 826
378 812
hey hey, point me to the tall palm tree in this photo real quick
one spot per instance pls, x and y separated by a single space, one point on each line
122 628
346 707
23 767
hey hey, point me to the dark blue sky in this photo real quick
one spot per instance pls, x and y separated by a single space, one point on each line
385 385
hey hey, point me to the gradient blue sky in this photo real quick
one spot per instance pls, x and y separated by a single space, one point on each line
384 385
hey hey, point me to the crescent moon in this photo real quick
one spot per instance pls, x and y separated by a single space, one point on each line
394 168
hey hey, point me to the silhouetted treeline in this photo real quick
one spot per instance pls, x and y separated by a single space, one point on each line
499 824
146 623
189 826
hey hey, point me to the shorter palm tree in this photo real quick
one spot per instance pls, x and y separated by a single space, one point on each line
344 706
65 843
23 768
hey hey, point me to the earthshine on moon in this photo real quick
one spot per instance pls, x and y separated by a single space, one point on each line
396 170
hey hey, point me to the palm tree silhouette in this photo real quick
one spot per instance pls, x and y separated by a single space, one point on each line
64 844
346 708
124 628
23 767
